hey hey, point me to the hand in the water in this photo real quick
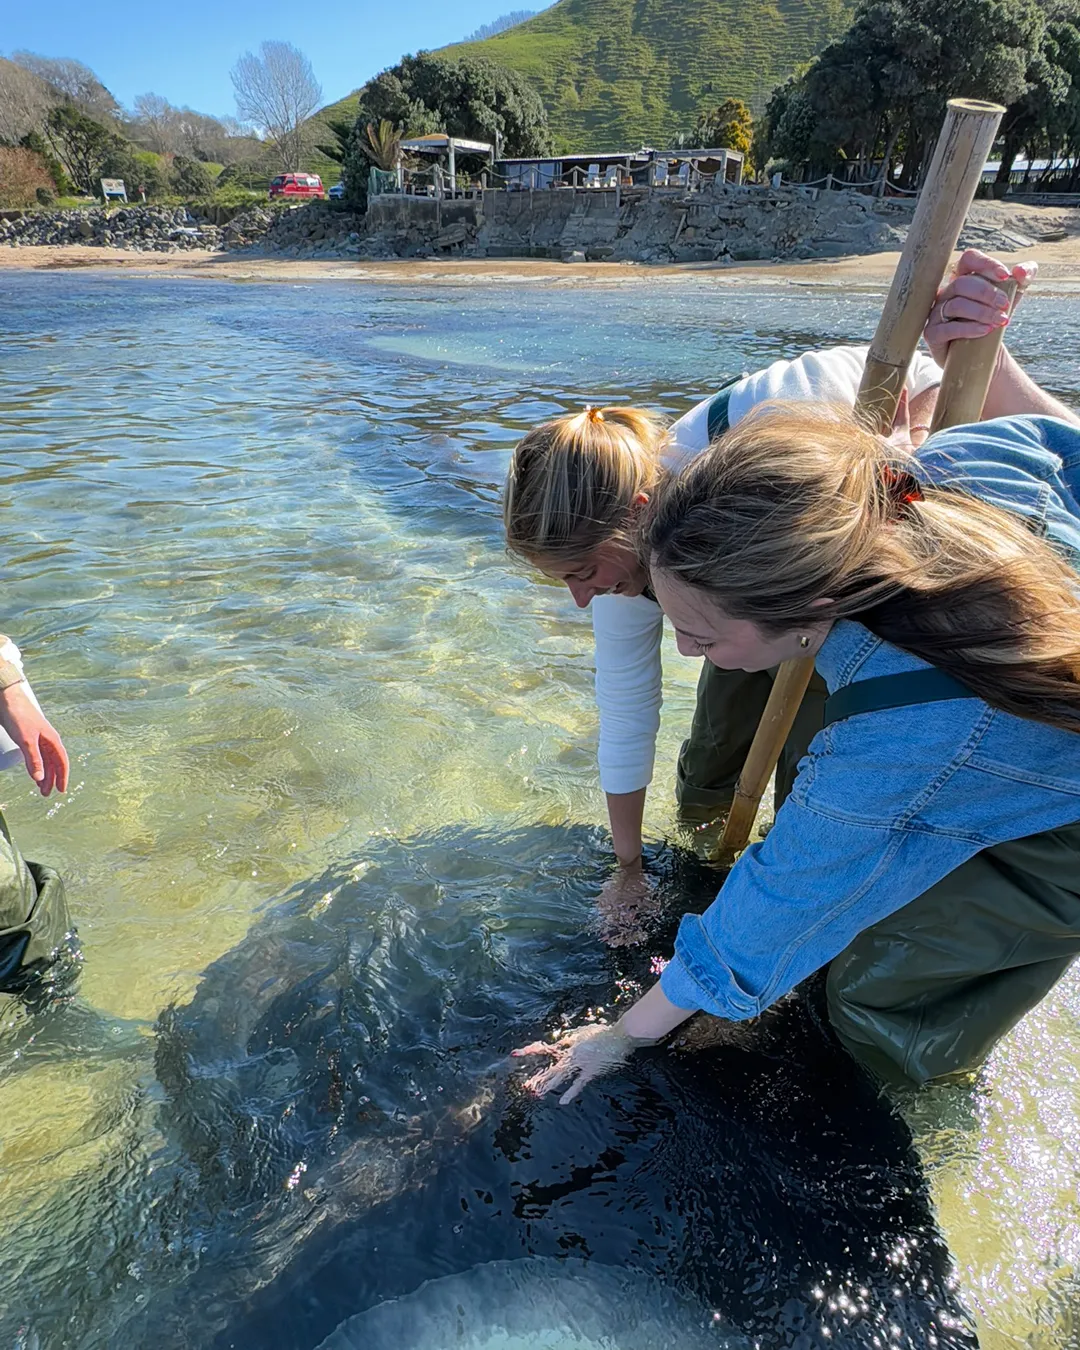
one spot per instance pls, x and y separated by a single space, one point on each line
582 1054
625 906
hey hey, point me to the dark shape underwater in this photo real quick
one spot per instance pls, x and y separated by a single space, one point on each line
338 1096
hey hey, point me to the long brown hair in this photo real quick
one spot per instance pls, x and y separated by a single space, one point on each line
573 480
797 504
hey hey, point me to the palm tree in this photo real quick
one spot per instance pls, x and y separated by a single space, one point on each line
382 144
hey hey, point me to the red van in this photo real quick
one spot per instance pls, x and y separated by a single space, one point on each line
297 185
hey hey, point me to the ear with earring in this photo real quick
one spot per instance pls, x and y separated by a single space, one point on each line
804 642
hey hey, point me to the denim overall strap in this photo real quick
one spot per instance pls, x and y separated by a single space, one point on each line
893 691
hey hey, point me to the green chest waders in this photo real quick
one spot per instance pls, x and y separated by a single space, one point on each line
928 991
37 949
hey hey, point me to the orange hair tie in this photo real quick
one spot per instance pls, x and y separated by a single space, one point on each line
593 414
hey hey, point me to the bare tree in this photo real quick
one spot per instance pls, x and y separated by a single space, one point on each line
24 102
155 123
277 92
72 82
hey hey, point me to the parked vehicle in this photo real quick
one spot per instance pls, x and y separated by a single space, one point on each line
337 191
297 185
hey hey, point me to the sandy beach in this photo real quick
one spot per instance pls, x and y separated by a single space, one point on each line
1059 268
1059 262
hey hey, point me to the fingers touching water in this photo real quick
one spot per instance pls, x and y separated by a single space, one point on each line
577 1058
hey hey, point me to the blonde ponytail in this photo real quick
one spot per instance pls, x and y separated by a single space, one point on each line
572 482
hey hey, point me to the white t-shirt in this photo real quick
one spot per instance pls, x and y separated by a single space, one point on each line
628 628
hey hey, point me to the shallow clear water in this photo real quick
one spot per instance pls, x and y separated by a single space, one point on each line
253 560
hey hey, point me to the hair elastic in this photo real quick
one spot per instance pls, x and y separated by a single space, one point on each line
593 414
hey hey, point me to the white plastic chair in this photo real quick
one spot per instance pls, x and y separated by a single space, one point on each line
593 178
660 173
611 178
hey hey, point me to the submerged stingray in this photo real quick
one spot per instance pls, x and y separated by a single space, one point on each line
336 1126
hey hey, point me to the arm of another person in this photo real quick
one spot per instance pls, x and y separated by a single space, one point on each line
970 306
28 730
827 870
628 631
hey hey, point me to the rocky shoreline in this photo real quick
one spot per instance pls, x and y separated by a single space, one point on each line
727 225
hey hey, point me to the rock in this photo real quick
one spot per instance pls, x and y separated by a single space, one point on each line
574 255
451 235
692 253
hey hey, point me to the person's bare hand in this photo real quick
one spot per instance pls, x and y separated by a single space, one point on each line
971 304
579 1056
42 749
625 906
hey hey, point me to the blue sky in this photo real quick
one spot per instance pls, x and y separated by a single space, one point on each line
185 51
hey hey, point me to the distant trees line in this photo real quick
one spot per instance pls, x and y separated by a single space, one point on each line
878 93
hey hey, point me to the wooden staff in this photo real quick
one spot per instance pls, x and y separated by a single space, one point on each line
955 171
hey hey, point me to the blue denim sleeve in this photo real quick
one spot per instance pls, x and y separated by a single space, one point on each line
794 901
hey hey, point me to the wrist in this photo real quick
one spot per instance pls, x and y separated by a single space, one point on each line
10 676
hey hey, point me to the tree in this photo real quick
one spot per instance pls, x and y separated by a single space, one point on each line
82 146
336 143
382 144
25 101
155 123
277 92
463 96
729 126
885 82
191 178
501 24
24 177
71 82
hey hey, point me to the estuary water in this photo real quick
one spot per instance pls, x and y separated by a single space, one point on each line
331 842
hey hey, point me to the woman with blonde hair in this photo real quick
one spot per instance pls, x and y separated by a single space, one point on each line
574 493
928 857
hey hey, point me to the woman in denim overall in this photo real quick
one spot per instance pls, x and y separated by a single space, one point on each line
928 855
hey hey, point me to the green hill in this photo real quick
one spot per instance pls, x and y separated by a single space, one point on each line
615 74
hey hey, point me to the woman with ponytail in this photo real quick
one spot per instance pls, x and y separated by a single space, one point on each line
574 494
928 856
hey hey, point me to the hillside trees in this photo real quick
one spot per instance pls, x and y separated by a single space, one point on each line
463 96
24 102
730 125
883 85
84 147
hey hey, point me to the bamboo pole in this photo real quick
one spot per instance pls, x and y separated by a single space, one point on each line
969 367
959 157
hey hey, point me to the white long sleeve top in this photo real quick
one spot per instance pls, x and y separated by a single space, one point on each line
10 754
627 629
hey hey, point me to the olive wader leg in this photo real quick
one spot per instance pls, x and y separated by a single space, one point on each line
729 707
34 926
928 991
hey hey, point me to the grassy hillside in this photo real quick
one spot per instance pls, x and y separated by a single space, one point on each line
344 110
615 74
